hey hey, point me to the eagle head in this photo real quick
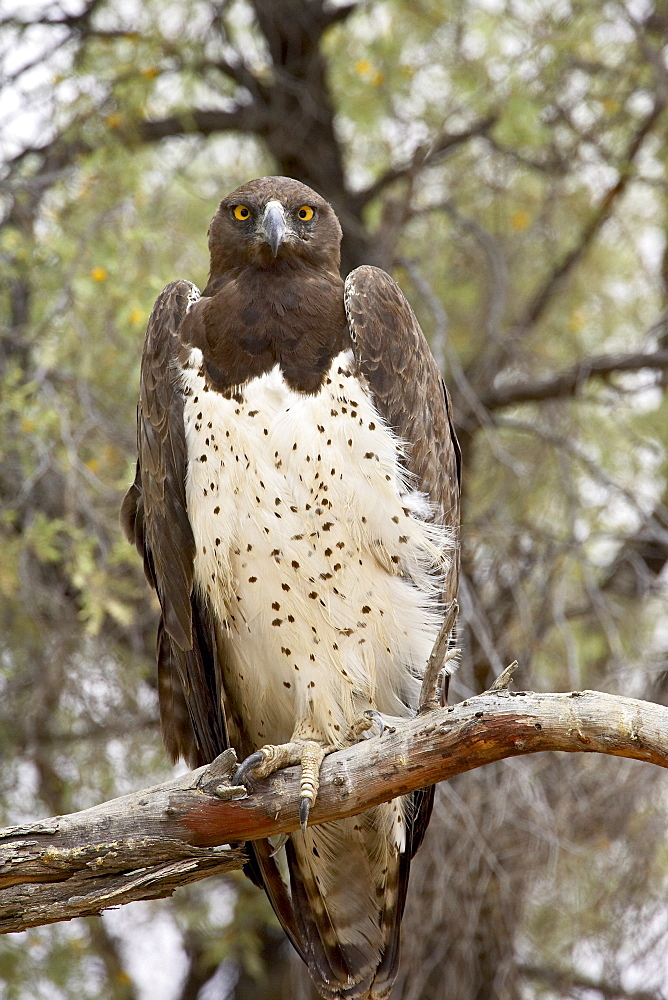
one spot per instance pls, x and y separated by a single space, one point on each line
274 222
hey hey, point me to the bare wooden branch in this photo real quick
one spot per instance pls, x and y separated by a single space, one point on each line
146 844
569 382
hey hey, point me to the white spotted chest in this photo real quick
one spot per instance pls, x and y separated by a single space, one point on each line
312 551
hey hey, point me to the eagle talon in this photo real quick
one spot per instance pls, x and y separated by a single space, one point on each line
376 717
304 810
247 765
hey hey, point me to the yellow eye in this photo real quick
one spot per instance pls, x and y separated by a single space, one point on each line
305 213
241 213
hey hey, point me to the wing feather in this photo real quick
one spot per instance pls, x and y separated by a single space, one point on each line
154 517
393 355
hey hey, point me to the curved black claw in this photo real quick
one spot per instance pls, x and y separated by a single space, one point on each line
371 713
246 766
304 810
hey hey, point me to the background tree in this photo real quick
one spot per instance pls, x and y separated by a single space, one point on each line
507 163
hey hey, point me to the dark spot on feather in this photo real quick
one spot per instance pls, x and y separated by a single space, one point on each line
369 454
216 510
403 538
285 586
286 684
294 564
277 621
202 458
313 595
252 579
327 525
285 650
366 609
311 657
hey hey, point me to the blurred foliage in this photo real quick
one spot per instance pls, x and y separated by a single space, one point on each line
507 162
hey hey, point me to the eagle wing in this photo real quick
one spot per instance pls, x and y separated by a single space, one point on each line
393 356
155 518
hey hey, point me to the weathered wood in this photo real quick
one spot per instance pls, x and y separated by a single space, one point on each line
144 845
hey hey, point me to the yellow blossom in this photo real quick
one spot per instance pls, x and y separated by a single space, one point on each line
113 120
99 273
520 219
150 72
576 320
363 67
136 316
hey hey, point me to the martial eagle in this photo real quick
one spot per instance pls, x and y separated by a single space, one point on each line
296 504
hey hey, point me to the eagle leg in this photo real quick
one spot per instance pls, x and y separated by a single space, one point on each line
362 724
309 754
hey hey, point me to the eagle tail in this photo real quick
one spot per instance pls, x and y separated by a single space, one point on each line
348 885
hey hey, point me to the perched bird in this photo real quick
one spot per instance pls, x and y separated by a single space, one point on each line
296 504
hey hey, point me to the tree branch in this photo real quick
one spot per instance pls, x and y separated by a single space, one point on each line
424 156
569 381
146 844
554 282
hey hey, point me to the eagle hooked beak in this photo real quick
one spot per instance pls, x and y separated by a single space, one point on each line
273 225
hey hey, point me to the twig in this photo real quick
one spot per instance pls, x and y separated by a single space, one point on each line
428 697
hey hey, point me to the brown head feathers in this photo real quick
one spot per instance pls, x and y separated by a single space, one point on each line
275 295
